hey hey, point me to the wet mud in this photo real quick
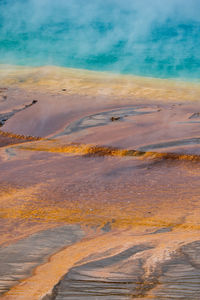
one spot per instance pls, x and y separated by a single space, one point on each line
104 118
99 191
20 259
4 117
125 277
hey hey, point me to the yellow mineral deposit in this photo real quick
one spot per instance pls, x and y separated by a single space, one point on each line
83 82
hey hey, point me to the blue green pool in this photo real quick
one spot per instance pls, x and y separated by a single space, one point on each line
141 37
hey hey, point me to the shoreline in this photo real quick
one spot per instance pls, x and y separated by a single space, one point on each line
101 73
69 81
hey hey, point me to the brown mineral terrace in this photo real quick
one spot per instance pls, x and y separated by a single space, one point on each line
100 195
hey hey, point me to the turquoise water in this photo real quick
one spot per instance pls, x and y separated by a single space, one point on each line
157 38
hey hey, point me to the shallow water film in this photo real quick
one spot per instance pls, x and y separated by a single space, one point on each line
99 150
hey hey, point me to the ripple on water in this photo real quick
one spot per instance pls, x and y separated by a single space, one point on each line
19 259
122 276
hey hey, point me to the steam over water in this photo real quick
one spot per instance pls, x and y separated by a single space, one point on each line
157 38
